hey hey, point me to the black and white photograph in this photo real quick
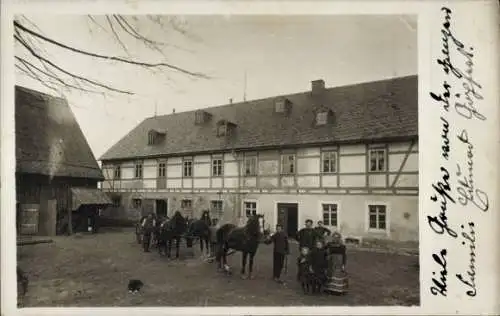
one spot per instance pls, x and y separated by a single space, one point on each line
216 160
212 158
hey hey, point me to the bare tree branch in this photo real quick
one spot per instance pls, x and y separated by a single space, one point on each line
69 73
114 58
117 38
27 64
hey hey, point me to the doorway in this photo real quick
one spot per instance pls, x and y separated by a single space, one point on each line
161 208
288 217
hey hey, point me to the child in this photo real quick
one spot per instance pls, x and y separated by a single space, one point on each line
319 264
304 270
280 241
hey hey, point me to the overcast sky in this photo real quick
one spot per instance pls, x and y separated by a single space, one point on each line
280 54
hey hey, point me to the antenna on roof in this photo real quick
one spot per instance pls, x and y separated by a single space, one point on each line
156 108
245 86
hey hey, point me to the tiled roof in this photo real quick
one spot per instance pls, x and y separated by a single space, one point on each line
88 196
49 140
386 109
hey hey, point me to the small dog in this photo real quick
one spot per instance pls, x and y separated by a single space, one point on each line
134 286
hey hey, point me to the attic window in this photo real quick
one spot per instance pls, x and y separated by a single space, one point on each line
322 117
201 117
281 105
155 137
222 130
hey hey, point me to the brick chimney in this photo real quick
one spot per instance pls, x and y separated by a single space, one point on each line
317 87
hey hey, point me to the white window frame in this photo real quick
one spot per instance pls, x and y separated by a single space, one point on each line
323 161
222 130
151 138
321 203
186 199
321 118
387 229
246 209
117 172
138 166
280 106
370 153
191 165
220 211
287 172
163 174
218 168
134 203
255 164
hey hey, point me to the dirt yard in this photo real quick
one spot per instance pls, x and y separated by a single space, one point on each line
94 270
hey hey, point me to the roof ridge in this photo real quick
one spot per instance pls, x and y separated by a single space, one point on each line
281 95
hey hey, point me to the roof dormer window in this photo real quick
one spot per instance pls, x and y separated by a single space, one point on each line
201 117
155 137
282 105
323 117
224 128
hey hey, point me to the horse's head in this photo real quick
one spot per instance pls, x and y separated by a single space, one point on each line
255 225
205 216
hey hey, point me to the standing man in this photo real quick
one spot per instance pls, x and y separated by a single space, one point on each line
306 236
148 226
281 249
321 231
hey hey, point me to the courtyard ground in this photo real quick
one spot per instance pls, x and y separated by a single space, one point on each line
94 270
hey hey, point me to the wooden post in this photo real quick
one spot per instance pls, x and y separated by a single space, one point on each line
70 220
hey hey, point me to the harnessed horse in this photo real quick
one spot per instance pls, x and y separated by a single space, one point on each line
170 230
243 239
200 229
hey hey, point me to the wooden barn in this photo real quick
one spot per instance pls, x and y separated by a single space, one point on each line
56 171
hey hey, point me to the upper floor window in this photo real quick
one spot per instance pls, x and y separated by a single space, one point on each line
250 208
329 162
322 118
250 166
117 172
280 106
217 207
217 167
187 168
138 170
186 204
377 160
288 164
162 170
330 214
377 216
136 203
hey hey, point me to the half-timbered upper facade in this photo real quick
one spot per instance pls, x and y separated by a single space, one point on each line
347 156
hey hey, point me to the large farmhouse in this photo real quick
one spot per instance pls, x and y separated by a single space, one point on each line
346 155
56 172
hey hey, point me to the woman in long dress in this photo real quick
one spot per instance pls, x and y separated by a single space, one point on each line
337 278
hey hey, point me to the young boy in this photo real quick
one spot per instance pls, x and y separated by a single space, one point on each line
319 263
304 270
281 249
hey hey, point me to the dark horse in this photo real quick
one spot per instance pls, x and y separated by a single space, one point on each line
170 230
244 239
200 229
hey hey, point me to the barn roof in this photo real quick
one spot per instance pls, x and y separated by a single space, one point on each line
49 140
370 111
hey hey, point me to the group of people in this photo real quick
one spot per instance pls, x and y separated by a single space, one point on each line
322 260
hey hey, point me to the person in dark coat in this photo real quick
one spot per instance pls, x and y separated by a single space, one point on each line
148 227
319 264
306 236
321 232
304 270
280 251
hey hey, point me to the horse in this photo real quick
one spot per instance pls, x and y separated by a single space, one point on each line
244 239
200 229
170 230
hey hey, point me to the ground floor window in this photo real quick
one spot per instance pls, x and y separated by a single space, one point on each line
250 208
330 214
217 206
116 200
377 216
136 203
